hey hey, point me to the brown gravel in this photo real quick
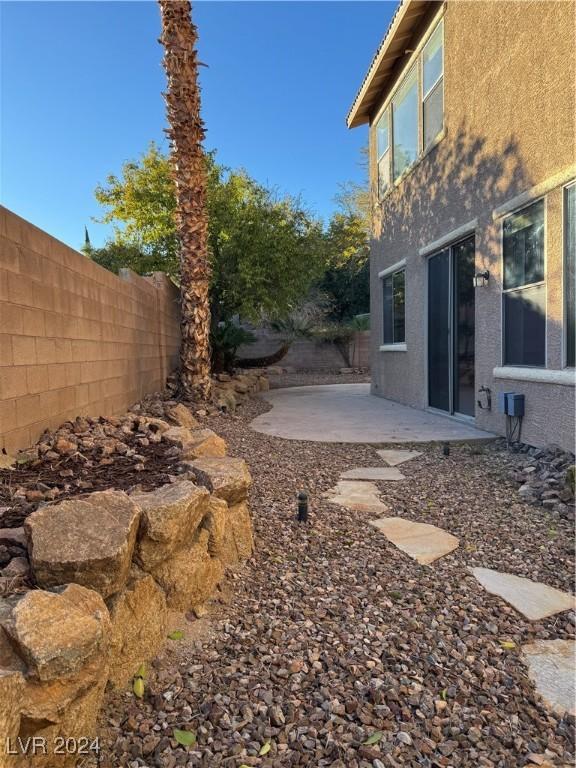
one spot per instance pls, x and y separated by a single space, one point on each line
332 635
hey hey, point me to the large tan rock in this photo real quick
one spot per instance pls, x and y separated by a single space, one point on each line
225 399
221 542
241 525
139 618
190 576
227 478
86 541
57 633
11 687
196 443
170 516
66 708
207 443
182 416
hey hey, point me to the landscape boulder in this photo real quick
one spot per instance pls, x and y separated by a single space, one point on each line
205 443
217 522
87 541
190 576
241 526
56 633
182 416
169 516
139 617
227 478
11 687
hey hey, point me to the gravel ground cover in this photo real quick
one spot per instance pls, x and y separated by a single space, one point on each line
333 648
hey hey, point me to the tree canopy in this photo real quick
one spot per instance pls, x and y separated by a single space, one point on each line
265 251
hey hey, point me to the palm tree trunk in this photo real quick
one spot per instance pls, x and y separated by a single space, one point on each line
186 133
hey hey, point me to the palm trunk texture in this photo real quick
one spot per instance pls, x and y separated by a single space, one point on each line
186 133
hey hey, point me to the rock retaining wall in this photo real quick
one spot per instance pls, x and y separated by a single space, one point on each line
107 567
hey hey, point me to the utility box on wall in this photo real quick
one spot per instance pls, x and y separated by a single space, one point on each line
511 403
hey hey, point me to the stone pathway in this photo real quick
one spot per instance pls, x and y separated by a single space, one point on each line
392 457
551 666
422 542
373 473
357 496
533 599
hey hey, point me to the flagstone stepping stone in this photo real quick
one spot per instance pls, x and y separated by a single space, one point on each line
373 473
357 496
552 668
393 457
422 541
531 598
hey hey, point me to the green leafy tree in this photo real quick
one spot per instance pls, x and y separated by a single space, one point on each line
346 280
265 250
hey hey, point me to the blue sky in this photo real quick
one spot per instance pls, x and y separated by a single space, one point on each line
81 85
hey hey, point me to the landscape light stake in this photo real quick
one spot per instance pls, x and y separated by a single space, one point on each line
446 449
302 507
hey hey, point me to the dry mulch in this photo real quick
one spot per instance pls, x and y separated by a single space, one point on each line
334 638
81 473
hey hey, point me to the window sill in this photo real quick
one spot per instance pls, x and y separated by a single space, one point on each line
395 184
565 377
393 348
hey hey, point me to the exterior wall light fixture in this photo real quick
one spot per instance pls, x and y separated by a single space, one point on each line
481 279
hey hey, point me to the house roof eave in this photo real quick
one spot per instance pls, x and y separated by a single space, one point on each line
406 18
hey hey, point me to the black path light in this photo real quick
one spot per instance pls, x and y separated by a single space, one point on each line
446 449
302 507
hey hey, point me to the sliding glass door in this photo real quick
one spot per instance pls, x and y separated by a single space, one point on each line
451 386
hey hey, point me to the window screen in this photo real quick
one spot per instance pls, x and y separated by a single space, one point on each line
383 150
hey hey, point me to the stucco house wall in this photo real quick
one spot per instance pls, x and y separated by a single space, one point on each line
509 126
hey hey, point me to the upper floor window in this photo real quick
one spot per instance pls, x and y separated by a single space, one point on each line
433 86
405 123
524 287
414 116
383 150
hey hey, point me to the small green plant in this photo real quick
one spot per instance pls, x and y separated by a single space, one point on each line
225 339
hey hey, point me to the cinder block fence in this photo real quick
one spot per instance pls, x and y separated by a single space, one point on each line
75 339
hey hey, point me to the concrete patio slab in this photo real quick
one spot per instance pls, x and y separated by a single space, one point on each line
532 599
373 473
357 496
394 457
421 541
552 668
348 413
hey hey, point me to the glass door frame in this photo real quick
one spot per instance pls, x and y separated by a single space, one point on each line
452 327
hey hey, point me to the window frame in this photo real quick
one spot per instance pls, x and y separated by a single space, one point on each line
566 363
386 114
543 282
389 273
415 62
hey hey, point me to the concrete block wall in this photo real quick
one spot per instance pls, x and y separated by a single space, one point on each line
75 339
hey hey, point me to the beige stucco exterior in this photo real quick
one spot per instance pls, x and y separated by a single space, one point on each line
509 130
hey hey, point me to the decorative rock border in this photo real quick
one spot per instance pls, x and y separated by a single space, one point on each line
108 567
